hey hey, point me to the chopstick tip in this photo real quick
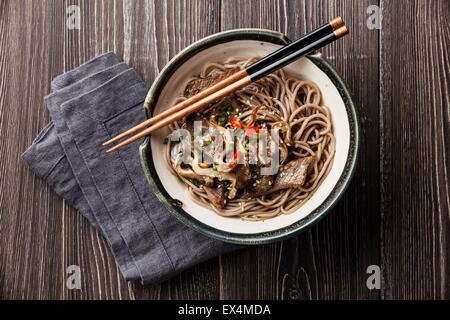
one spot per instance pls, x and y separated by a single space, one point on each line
342 31
111 149
336 23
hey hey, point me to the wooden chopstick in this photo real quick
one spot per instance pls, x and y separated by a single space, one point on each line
330 27
268 66
179 106
186 111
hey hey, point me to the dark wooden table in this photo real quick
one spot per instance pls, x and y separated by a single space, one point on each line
394 215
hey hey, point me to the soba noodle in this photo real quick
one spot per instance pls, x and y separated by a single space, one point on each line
284 98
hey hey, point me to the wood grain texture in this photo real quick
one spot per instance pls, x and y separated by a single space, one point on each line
414 86
395 213
30 213
330 260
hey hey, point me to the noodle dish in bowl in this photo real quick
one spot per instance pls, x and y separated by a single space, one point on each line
258 165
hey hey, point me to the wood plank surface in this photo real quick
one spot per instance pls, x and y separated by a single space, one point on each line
395 213
330 260
414 86
30 214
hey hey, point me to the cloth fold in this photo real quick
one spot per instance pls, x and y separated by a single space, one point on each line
88 106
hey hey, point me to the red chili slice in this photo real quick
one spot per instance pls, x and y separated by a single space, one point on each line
236 123
251 131
237 155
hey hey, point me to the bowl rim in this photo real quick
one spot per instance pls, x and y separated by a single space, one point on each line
175 207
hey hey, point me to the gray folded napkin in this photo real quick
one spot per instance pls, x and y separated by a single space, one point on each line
88 106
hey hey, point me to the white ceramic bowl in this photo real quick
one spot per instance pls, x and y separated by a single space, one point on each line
247 43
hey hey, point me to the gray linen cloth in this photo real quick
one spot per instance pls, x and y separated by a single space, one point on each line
88 106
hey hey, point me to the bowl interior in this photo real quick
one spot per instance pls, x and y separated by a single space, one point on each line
304 69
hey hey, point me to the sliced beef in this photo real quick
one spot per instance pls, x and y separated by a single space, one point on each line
293 174
225 110
257 184
190 119
243 175
261 185
216 194
197 85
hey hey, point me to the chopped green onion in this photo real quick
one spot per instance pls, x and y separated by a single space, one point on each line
192 138
215 169
216 163
221 119
166 140
264 187
226 193
207 143
236 112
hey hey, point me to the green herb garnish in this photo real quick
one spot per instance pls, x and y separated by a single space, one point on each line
195 182
192 138
226 193
264 187
166 140
206 143
215 169
221 119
